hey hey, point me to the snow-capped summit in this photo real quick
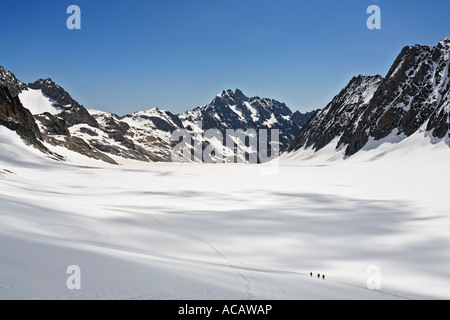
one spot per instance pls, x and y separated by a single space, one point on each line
51 89
234 110
414 95
9 80
445 41
71 111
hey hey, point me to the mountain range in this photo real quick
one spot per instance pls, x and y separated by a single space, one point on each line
413 97
44 113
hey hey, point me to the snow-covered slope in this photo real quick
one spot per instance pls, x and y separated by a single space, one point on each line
166 231
37 102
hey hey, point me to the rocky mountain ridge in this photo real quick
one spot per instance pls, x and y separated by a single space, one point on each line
59 120
414 93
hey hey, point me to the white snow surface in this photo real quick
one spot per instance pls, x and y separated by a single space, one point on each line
195 231
270 122
37 102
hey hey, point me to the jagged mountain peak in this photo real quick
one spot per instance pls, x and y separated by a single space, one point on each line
231 93
361 82
240 95
362 77
230 97
225 93
339 116
6 73
52 90
414 94
9 80
47 81
237 97
236 105
445 41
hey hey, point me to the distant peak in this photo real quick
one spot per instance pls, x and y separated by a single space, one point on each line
237 94
47 81
226 93
240 95
8 79
6 72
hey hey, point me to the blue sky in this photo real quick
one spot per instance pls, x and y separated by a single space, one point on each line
178 54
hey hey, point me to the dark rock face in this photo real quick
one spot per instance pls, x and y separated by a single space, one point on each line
11 109
338 118
415 91
113 124
15 117
9 80
89 132
72 112
77 115
57 133
302 118
130 151
53 125
79 145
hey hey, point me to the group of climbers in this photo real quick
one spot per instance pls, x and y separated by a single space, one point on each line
318 275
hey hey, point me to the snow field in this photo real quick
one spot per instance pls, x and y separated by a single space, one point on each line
171 231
